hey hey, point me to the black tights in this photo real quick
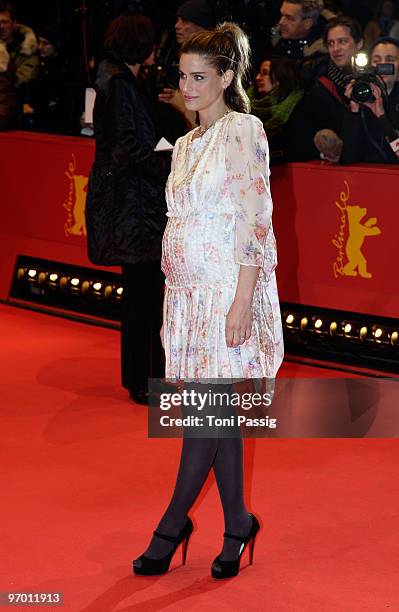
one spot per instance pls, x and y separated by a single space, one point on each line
198 456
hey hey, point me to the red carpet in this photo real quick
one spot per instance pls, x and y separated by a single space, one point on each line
83 487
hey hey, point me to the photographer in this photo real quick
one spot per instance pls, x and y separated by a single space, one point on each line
326 102
371 131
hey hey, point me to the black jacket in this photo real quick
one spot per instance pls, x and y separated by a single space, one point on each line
326 105
294 140
125 209
56 97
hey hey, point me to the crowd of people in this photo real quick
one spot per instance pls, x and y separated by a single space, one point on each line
301 84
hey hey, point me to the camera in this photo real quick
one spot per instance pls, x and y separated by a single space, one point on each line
365 75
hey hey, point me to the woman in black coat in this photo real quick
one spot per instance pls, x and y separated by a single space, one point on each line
125 208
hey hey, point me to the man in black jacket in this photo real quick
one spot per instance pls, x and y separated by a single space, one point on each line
371 132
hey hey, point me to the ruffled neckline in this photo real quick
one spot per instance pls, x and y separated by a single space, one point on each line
205 137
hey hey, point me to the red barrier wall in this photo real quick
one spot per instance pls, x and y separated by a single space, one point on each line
336 227
337 236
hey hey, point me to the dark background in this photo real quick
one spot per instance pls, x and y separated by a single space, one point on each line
92 16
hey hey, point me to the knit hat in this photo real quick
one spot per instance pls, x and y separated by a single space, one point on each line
51 32
198 12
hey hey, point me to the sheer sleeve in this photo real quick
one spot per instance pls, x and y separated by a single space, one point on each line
247 163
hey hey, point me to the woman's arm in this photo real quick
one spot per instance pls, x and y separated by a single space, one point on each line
239 318
247 160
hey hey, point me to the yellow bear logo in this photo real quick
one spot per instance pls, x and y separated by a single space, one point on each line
358 231
79 226
76 202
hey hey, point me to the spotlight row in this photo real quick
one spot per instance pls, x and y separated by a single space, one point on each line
346 329
54 280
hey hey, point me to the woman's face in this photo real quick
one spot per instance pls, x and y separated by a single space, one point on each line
202 87
263 80
342 46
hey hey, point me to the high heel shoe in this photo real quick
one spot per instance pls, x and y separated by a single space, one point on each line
228 569
155 567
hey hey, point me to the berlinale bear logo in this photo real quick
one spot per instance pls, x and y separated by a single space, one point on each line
350 260
75 203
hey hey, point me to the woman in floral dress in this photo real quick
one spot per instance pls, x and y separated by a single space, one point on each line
221 310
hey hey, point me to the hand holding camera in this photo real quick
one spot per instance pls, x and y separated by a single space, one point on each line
366 86
375 104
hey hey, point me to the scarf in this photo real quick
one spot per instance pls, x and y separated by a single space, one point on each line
272 111
337 76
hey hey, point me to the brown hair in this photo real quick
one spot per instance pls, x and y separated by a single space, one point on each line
284 73
225 48
344 22
130 38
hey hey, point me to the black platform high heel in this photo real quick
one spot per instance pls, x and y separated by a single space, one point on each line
228 569
144 566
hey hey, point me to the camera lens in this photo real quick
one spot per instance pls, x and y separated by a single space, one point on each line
362 92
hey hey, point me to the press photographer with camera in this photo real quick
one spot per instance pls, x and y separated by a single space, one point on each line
371 132
326 102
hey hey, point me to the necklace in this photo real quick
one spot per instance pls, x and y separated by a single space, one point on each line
202 130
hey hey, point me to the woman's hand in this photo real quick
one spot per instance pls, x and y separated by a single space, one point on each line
162 338
238 323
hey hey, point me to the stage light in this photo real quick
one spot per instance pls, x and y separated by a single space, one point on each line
290 319
378 333
347 328
85 286
318 324
394 338
67 287
333 328
363 333
304 323
119 291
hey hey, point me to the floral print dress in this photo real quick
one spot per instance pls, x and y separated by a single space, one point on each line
219 218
